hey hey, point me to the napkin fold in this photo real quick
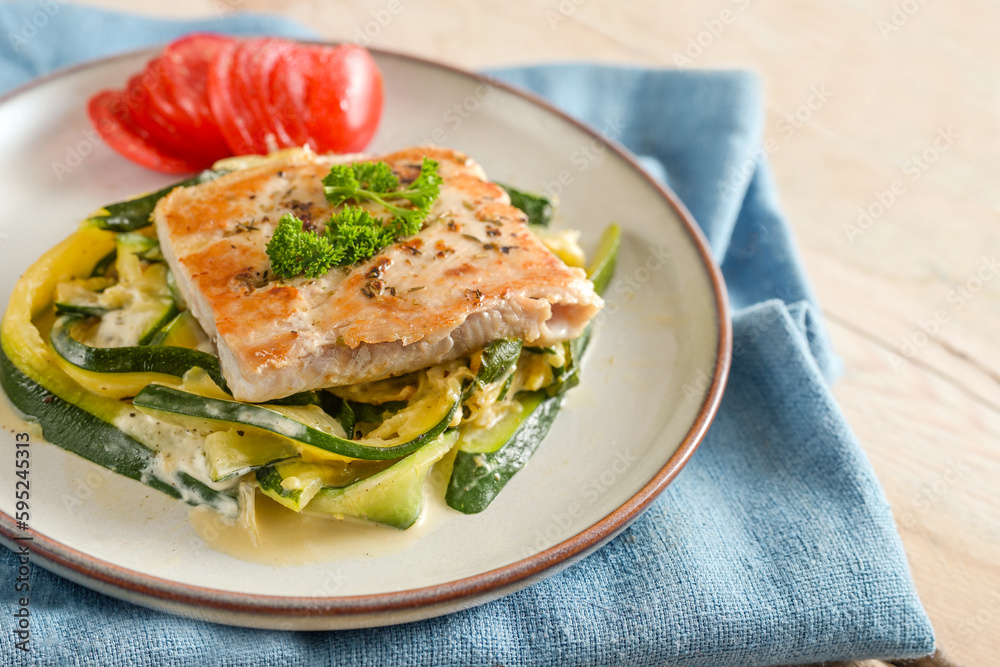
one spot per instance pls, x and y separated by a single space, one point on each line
774 546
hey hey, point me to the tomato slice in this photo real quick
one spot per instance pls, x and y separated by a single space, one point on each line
246 98
185 69
152 116
344 97
223 103
209 96
260 70
111 117
287 96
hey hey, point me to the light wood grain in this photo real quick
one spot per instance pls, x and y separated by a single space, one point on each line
928 414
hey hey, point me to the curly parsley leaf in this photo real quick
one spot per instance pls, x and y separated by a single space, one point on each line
357 234
375 176
354 234
293 250
374 181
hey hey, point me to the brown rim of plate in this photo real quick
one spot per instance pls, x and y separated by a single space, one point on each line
514 575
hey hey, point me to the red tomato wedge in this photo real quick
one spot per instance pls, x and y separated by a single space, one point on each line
110 116
210 96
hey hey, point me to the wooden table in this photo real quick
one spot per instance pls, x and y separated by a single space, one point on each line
892 182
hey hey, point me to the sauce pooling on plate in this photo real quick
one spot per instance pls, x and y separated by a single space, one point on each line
285 538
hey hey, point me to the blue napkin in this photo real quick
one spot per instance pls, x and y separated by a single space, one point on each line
774 546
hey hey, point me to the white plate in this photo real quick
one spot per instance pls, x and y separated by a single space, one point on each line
653 377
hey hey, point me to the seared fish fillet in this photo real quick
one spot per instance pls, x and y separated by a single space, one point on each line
473 274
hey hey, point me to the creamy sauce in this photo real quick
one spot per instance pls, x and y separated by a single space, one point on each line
12 421
284 538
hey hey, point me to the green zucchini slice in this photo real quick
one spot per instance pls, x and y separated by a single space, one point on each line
477 477
602 266
140 245
538 208
158 317
160 401
168 360
175 291
479 440
487 459
105 263
83 296
294 483
394 496
86 435
182 331
135 213
236 452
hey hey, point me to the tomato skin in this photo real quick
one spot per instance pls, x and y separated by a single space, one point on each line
287 97
344 98
151 114
184 67
210 96
110 116
222 101
257 77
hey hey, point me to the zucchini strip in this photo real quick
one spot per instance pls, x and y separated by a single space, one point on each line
80 432
537 207
291 486
234 452
394 496
127 216
477 478
485 462
158 400
72 417
165 359
602 266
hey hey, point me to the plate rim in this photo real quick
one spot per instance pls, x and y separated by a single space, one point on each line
471 590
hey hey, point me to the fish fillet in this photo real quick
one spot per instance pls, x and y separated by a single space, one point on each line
473 274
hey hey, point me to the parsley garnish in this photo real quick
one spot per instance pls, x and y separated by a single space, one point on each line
293 250
374 181
353 234
356 236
